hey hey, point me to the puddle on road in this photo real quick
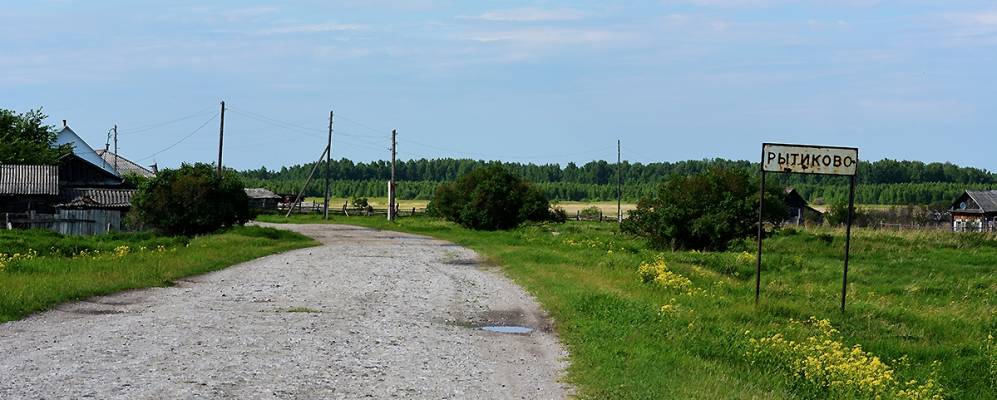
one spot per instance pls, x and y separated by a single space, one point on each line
508 329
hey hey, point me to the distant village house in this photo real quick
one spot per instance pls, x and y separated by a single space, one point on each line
975 211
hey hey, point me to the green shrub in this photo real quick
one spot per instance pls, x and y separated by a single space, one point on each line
359 202
591 213
192 200
704 211
491 198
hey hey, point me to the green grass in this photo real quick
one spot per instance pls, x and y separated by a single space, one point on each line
69 268
927 296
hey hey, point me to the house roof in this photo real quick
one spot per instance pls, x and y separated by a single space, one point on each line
260 193
29 179
125 166
83 151
986 199
97 198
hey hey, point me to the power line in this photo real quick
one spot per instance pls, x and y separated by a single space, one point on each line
148 127
598 150
181 140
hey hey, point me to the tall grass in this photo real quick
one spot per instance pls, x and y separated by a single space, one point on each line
923 303
65 268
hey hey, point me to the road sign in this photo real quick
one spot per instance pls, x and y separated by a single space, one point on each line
807 159
804 159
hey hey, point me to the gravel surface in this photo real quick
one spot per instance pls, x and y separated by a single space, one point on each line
369 314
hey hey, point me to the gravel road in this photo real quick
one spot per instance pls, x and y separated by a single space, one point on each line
369 314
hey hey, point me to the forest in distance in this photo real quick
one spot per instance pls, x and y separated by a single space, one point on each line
888 182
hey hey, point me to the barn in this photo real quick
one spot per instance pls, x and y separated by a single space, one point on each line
975 211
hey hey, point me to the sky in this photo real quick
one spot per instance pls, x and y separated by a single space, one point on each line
542 81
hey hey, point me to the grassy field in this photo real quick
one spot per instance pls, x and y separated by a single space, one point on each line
376 202
921 307
40 269
608 207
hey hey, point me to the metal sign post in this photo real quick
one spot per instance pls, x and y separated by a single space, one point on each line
807 159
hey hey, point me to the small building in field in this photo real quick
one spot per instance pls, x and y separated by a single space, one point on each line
975 211
798 210
261 199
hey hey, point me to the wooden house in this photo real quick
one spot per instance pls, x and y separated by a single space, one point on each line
124 166
81 195
798 210
975 211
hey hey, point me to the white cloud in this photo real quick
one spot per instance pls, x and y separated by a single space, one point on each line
544 36
531 14
311 28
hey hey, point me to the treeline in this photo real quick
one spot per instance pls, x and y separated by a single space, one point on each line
602 172
880 182
423 190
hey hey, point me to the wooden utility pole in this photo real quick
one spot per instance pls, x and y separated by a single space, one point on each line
328 168
297 199
391 185
221 139
619 183
115 148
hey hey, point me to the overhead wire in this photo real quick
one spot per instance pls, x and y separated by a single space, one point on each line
148 127
181 139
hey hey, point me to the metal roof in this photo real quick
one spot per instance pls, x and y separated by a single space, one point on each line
986 199
97 198
260 193
125 166
29 179
82 150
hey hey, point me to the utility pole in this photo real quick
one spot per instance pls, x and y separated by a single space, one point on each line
115 147
221 139
619 183
391 185
328 165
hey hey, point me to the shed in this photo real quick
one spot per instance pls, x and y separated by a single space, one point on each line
975 211
262 199
92 211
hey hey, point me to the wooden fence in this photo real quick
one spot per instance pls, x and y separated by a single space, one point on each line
67 222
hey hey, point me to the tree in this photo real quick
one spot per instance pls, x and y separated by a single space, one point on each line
192 200
24 139
491 198
704 211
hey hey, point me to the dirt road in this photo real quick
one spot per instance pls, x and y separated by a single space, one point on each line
369 314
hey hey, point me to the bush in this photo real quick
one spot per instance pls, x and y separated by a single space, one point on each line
590 213
360 203
491 198
192 200
837 213
704 211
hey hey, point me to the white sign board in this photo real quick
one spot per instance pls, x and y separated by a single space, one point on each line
803 159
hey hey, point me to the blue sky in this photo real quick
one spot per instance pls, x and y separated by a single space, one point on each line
543 81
